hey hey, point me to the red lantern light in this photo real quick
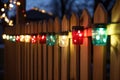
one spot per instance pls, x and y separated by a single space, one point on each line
42 38
33 39
17 38
77 34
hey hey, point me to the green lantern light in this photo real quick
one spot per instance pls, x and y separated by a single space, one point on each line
51 39
12 38
99 35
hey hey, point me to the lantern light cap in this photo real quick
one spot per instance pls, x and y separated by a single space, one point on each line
51 33
34 34
100 25
77 28
42 33
63 33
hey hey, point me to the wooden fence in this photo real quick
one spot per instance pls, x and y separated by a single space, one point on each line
26 61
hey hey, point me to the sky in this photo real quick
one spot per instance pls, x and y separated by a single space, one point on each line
68 6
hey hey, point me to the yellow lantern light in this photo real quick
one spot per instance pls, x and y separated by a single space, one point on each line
7 37
2 9
63 39
18 3
27 38
22 38
4 36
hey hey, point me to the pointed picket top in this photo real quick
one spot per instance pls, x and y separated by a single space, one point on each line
50 25
57 24
40 26
116 12
44 26
100 15
35 27
65 23
74 20
85 19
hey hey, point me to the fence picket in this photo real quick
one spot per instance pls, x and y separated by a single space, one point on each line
18 52
85 50
35 53
45 55
74 52
40 55
99 52
27 52
115 39
50 52
56 51
64 52
31 54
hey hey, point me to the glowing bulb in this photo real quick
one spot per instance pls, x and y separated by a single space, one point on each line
22 38
3 15
14 2
42 38
10 23
34 39
11 5
2 9
12 38
5 5
6 19
18 3
51 40
7 37
17 38
27 38
4 36
43 11
77 35
63 40
99 35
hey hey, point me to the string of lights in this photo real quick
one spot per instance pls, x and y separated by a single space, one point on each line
99 37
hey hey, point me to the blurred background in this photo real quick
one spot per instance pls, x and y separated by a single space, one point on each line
44 9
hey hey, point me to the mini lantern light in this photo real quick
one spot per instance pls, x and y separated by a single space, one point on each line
99 34
12 38
77 35
27 38
17 38
63 39
7 37
51 39
4 36
34 38
22 38
42 38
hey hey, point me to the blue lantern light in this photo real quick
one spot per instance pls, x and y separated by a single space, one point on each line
51 39
99 35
